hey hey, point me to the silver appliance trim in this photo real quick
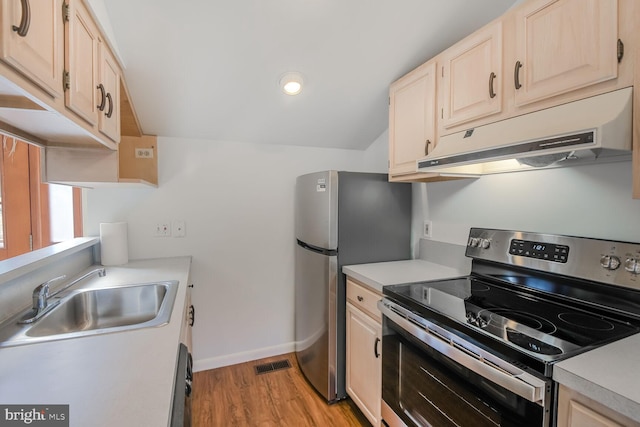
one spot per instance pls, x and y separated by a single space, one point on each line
586 258
595 129
390 417
466 354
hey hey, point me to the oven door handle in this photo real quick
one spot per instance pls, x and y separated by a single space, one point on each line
510 377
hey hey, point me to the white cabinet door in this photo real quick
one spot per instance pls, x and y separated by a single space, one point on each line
472 87
32 41
82 63
412 118
564 45
109 95
364 363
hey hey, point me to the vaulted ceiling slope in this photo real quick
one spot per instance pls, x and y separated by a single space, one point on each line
210 68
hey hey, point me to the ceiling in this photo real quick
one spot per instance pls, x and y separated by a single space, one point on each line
210 69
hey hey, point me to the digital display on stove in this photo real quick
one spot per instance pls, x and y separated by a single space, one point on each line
539 250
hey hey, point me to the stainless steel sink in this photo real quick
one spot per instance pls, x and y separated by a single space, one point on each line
98 311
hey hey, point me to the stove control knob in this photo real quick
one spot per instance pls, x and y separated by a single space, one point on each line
610 262
482 322
632 265
485 243
474 241
471 318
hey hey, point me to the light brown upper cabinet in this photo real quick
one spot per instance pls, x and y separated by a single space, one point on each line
412 119
109 95
81 62
562 46
32 41
471 77
93 79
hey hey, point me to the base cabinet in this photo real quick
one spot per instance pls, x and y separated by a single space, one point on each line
577 410
364 358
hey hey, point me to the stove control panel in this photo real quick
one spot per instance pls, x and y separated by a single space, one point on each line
605 261
539 250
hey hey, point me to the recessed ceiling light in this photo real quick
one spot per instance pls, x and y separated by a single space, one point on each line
291 83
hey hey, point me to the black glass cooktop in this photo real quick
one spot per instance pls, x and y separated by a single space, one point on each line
543 328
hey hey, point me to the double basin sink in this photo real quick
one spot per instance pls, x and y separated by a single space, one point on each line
97 311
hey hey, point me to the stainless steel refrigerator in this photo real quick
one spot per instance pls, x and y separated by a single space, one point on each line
341 218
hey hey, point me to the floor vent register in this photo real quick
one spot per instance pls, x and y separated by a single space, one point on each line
270 367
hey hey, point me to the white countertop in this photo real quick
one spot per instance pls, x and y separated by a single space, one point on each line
608 374
118 379
379 274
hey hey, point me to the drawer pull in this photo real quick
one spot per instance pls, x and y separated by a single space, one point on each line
103 97
25 21
492 77
516 75
360 298
110 112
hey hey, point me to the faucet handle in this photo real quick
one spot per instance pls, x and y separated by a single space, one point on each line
41 293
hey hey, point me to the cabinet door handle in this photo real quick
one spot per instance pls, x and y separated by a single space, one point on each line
426 147
103 97
492 77
25 21
192 315
360 298
110 112
516 75
375 348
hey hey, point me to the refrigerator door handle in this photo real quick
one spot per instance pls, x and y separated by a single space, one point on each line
328 252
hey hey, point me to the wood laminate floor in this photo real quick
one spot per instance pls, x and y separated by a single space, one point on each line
236 396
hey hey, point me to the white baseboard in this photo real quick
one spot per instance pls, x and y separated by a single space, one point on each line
245 356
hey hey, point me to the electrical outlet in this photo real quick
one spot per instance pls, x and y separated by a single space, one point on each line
178 229
144 153
162 229
427 229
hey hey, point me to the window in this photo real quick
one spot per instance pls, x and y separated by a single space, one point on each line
32 214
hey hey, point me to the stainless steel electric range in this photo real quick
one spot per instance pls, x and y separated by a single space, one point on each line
479 350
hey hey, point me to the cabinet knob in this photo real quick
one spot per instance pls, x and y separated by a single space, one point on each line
492 77
25 21
516 75
360 298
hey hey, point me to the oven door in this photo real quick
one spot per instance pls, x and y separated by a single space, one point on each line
428 380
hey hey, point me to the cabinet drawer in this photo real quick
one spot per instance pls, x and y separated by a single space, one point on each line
364 298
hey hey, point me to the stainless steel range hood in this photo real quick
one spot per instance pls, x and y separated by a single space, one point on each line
596 129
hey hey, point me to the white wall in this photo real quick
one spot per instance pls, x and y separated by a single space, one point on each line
237 202
590 201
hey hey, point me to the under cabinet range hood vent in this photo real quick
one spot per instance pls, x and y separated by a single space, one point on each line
596 129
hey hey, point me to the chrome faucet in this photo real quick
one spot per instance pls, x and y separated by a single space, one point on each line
101 272
41 295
